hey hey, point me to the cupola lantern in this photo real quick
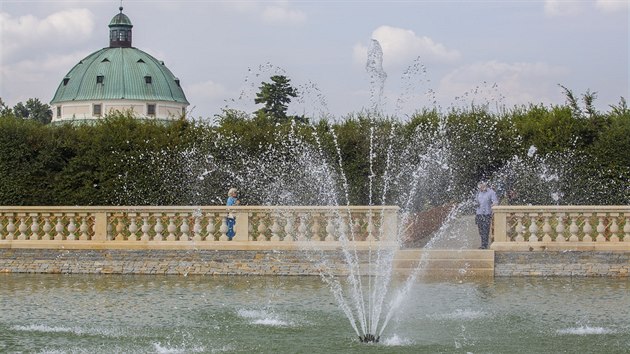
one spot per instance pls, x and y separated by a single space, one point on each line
120 31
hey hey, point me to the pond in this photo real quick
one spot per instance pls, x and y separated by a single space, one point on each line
239 314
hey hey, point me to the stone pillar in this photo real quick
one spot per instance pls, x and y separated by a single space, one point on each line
390 225
242 226
499 230
100 227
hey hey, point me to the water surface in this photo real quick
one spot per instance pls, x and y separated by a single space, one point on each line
228 314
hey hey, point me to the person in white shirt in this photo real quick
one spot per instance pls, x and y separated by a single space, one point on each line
486 198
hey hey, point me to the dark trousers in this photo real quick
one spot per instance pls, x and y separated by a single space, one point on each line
483 224
230 224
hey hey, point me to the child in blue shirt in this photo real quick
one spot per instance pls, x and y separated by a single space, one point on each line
231 220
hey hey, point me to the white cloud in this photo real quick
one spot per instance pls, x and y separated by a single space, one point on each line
401 47
283 15
556 8
36 77
274 12
612 5
505 83
27 32
206 90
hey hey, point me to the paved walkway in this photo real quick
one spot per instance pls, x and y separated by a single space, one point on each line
460 233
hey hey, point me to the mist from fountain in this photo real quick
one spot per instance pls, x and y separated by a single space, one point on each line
297 171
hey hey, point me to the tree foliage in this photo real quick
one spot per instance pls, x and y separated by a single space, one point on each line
356 160
276 97
33 110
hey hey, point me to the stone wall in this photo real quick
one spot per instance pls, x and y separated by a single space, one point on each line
182 262
285 262
562 263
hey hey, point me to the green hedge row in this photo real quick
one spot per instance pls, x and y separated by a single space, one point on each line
535 154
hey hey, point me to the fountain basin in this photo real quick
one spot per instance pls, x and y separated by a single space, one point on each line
140 314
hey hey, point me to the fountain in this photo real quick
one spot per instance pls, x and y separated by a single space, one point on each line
55 313
418 173
367 297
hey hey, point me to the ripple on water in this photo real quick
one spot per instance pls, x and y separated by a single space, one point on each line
585 330
264 318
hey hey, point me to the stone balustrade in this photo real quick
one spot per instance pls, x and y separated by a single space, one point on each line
561 227
156 226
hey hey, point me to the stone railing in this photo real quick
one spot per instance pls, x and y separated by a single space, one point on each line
186 227
561 227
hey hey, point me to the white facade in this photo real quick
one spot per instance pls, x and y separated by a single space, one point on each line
93 110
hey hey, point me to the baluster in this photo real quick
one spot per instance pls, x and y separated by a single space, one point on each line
120 226
370 227
110 228
560 229
133 227
197 229
356 229
34 227
22 228
302 228
546 229
600 229
587 228
158 228
184 229
59 228
330 229
72 227
84 228
288 228
47 227
520 229
343 228
11 229
262 228
171 228
574 229
145 228
626 229
533 228
275 228
211 227
250 227
614 228
315 228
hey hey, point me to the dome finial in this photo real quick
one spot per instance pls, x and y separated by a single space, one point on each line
121 7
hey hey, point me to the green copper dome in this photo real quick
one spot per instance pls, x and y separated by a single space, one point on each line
119 73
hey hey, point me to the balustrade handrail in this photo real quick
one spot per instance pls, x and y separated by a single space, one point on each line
592 208
137 224
558 224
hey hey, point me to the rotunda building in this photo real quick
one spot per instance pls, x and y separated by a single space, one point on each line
119 78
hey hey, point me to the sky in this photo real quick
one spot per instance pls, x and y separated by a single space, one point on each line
435 54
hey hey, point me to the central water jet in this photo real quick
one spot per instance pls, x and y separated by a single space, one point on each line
369 338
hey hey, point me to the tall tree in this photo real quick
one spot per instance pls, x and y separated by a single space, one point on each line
35 110
4 109
276 96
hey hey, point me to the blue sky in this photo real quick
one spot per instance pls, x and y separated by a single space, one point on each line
435 53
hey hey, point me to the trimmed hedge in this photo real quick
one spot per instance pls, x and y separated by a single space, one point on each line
430 159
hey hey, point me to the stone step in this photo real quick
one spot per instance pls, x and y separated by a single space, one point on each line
445 263
445 254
